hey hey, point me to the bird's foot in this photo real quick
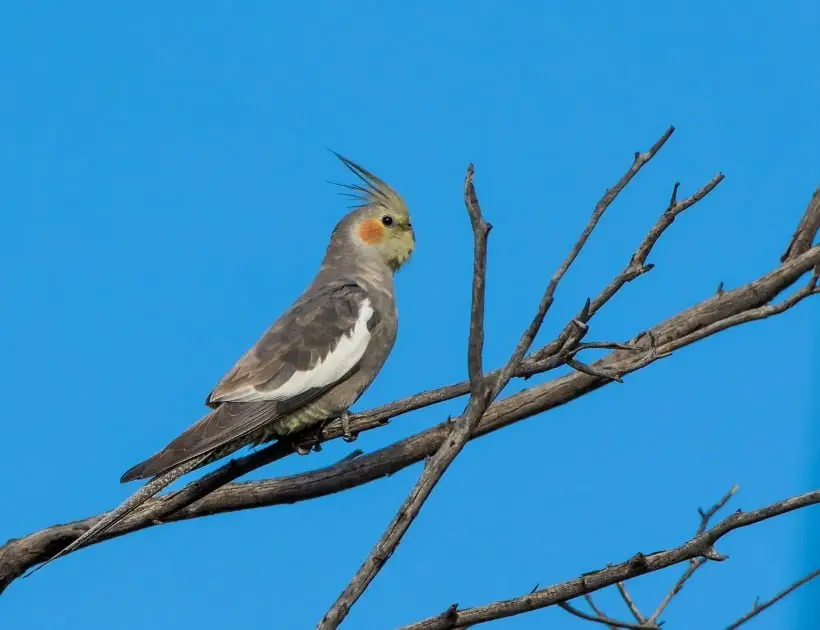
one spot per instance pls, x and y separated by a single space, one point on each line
348 435
310 439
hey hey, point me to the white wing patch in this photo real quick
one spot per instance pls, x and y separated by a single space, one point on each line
340 360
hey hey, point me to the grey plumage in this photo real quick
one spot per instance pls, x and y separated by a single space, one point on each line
312 364
297 342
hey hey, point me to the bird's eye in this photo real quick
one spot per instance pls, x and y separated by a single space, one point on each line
387 220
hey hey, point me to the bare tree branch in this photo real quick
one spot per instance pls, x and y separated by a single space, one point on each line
758 608
695 564
436 466
481 230
706 516
630 603
806 231
591 371
727 309
591 602
637 264
549 357
640 564
481 395
601 618
679 331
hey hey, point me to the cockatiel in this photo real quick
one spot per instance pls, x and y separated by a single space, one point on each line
313 363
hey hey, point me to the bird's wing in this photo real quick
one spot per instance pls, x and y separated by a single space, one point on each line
313 346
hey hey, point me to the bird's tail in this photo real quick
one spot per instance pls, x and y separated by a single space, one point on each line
130 504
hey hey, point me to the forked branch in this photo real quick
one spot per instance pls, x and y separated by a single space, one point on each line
700 546
215 494
436 466
483 392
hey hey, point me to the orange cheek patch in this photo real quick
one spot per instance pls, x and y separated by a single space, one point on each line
371 231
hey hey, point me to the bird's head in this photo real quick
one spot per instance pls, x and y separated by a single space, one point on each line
380 224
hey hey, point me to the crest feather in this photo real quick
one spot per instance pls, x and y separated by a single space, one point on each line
372 192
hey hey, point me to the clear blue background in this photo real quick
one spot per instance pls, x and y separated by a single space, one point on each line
163 168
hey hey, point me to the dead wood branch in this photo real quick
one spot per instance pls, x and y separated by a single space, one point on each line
758 608
630 603
702 545
211 495
695 564
600 617
204 497
480 396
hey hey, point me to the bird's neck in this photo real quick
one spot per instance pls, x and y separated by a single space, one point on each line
370 269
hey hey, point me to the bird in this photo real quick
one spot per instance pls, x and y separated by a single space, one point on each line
312 364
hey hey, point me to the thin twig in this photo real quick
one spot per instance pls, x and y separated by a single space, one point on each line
640 160
706 516
695 563
587 369
604 345
593 605
599 618
630 603
462 429
758 608
612 574
636 266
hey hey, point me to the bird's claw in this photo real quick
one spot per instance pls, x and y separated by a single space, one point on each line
348 435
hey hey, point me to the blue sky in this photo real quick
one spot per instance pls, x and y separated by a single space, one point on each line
163 170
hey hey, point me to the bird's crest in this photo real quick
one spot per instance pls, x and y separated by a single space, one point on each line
372 191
